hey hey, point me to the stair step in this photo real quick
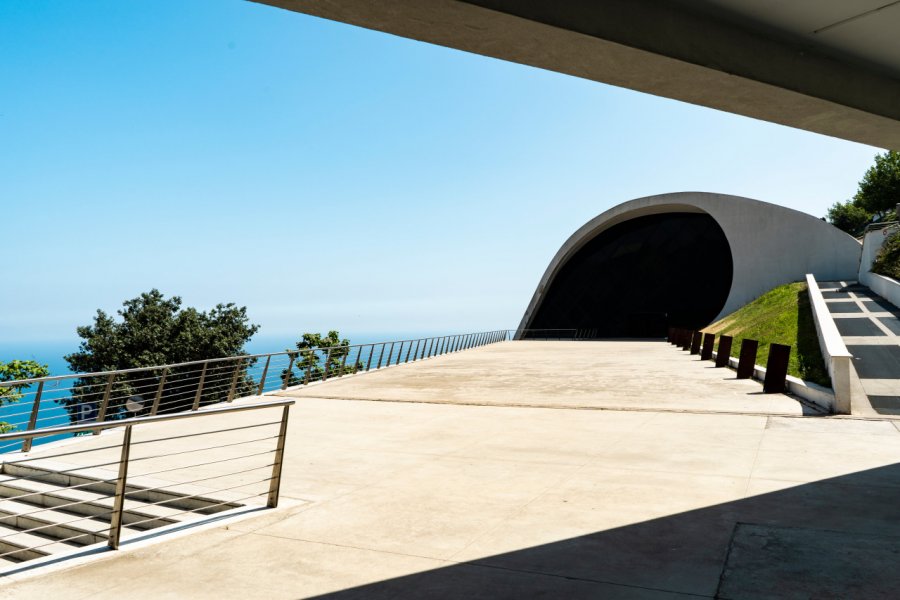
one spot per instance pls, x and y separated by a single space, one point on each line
58 524
96 480
143 516
17 546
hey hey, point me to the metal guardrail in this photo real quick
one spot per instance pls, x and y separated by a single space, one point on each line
883 225
38 499
164 389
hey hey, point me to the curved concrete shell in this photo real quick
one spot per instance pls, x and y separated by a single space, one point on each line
683 260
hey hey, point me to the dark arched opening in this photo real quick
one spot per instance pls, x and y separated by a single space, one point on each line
641 276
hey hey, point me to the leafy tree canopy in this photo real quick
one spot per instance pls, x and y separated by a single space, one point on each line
155 330
879 189
849 217
310 358
13 371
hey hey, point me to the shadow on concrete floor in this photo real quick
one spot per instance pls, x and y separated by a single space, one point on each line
834 538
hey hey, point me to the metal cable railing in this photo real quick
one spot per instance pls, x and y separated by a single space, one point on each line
106 491
166 389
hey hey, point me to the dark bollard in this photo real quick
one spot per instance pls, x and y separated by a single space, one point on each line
776 369
747 360
686 340
671 335
724 351
708 340
695 342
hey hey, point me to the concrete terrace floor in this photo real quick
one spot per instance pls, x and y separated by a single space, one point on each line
492 474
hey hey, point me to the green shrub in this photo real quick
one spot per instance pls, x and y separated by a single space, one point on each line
887 262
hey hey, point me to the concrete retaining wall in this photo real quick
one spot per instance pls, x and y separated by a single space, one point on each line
809 391
887 288
837 357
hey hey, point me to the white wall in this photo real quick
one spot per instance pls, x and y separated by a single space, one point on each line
770 245
887 288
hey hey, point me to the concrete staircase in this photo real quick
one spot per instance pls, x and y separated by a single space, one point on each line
49 508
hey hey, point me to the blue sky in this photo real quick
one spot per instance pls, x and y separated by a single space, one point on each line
327 176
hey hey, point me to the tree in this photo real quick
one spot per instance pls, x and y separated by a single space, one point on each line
310 358
879 189
848 216
14 371
153 331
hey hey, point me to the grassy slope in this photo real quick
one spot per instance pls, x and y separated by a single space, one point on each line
783 316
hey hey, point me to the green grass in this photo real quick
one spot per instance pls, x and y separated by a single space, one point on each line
782 316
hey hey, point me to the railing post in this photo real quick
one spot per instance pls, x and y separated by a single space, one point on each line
408 351
275 481
234 380
709 339
430 347
371 352
115 522
747 359
776 369
390 354
287 376
416 355
724 351
380 356
344 361
159 392
32 421
325 371
104 404
262 380
200 386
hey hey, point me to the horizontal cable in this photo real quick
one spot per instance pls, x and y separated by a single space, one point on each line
151 473
192 450
49 525
68 487
168 487
50 543
230 429
208 506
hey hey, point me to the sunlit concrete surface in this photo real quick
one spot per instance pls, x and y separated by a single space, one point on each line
451 497
630 375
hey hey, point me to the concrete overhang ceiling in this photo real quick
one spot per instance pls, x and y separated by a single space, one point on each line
828 66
